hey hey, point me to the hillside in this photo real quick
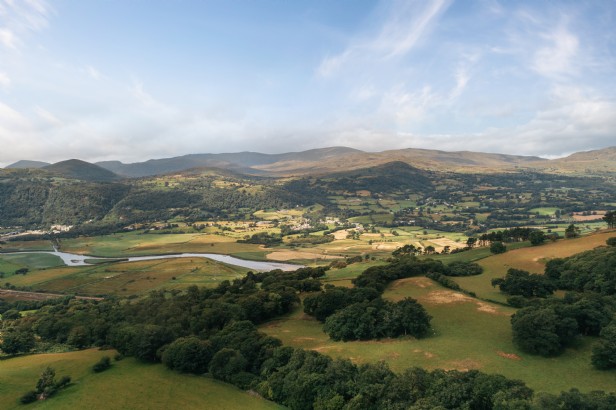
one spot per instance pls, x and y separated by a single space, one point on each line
24 163
77 169
245 162
338 159
127 384
600 161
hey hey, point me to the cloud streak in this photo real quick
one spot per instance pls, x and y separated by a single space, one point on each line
403 28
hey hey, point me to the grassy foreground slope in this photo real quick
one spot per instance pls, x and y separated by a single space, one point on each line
127 385
467 334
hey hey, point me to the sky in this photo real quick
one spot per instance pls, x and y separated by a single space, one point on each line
132 80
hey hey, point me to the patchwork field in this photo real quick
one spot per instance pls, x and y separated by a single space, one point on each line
467 334
128 384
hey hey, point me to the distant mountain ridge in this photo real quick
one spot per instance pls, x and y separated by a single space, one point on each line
24 163
243 162
337 159
77 169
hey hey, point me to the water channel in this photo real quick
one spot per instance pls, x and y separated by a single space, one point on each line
73 259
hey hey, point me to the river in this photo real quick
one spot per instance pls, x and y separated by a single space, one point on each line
73 259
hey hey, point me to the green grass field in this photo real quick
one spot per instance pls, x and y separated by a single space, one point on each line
468 334
138 244
532 259
16 246
130 278
128 384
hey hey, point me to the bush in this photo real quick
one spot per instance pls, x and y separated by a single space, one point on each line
29 397
102 365
604 352
611 241
462 268
498 247
188 355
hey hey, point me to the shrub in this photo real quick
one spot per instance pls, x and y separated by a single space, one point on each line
29 397
498 247
102 365
462 268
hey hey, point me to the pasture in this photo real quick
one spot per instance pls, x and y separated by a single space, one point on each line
130 278
467 334
140 244
531 259
128 384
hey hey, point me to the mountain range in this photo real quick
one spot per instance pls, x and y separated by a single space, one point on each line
332 159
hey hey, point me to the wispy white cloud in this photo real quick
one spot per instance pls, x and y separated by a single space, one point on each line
19 17
8 39
93 72
47 116
557 58
5 81
406 23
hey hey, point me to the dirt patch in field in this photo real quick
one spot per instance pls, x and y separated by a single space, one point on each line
339 235
442 242
511 356
487 308
580 217
420 282
291 255
303 339
427 355
387 246
463 365
36 296
440 297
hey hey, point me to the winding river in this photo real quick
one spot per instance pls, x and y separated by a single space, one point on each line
73 259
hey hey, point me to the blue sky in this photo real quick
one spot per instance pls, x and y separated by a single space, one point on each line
136 79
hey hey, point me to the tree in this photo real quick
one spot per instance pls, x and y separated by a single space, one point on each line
470 242
498 247
188 355
539 330
604 352
463 268
408 317
523 283
610 218
17 341
226 363
572 231
536 238
47 385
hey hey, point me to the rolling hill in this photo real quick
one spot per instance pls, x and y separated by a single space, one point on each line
77 169
24 163
337 159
